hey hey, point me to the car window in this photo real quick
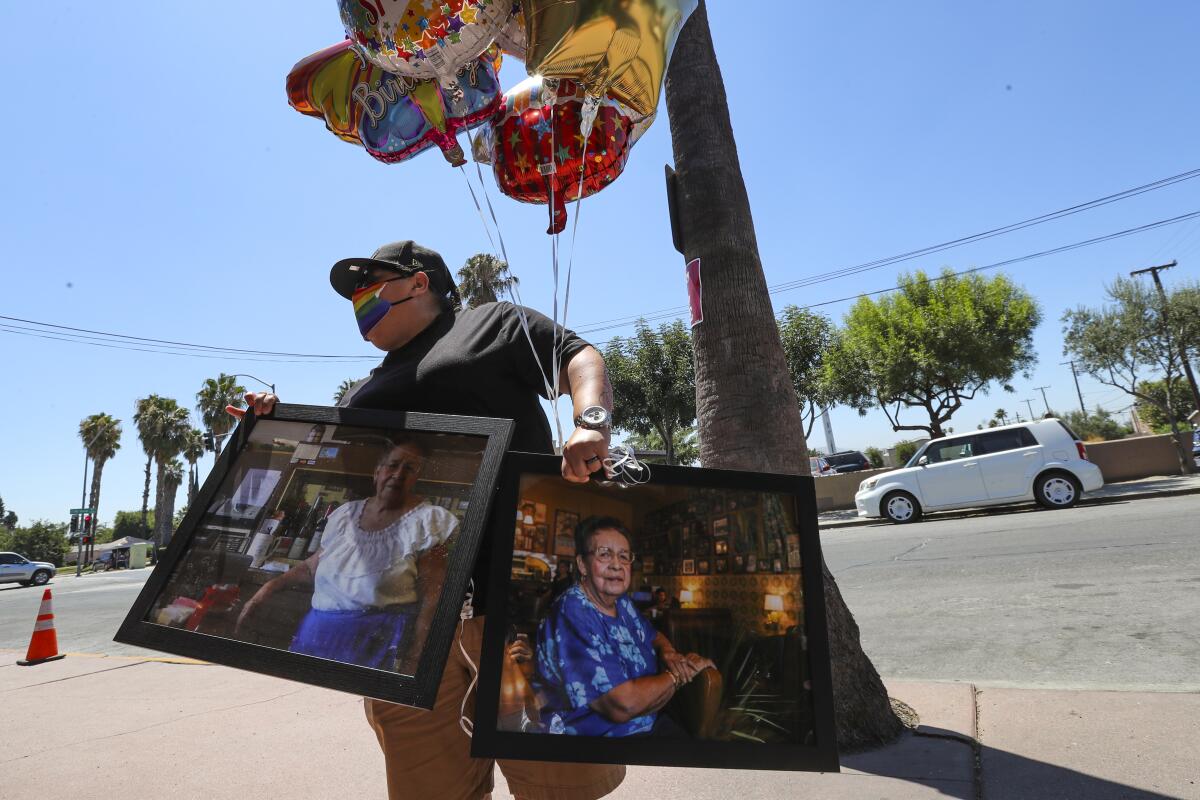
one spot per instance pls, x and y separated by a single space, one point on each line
9 558
1070 432
999 441
950 450
844 459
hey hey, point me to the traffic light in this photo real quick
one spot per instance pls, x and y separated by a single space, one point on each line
87 538
74 524
87 522
210 442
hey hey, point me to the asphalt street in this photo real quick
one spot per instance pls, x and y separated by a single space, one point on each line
1097 597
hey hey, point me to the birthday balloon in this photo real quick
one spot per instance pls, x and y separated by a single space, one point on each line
393 117
615 47
539 154
511 37
426 39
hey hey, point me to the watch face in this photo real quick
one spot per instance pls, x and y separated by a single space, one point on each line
594 415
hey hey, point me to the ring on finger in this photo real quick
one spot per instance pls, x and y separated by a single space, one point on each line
590 460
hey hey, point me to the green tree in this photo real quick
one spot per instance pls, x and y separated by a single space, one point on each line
1152 410
193 449
1126 342
162 427
686 447
875 456
101 436
904 450
129 523
807 339
41 541
483 279
342 388
171 476
654 383
214 395
1096 426
8 517
748 415
933 345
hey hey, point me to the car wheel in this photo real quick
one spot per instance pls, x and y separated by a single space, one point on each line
40 577
1057 490
900 508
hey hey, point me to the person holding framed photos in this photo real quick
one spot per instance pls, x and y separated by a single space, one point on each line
602 668
490 361
377 555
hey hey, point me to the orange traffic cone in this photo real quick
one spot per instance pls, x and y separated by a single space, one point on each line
43 646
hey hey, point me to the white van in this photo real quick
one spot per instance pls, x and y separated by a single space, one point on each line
1042 461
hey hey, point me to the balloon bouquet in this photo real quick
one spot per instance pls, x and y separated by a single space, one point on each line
413 74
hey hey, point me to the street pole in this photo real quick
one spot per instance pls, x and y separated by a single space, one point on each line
1075 375
1183 356
1029 404
1045 402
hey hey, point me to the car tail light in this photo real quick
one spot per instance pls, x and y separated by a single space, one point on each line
1082 450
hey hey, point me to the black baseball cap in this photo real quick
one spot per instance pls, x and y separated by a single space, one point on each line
406 258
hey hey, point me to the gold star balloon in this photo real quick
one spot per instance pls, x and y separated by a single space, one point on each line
612 47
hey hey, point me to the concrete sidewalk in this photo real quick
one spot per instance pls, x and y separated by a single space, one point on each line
1161 486
94 727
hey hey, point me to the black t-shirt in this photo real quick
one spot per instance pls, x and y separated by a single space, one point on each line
479 363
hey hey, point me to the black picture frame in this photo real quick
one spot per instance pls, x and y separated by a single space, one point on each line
809 747
203 539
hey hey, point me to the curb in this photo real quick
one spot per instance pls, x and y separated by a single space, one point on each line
983 510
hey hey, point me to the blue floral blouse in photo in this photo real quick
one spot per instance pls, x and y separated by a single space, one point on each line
583 654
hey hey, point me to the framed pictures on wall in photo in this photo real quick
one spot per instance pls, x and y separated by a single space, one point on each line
344 570
758 694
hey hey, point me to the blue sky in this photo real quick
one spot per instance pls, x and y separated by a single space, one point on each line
157 184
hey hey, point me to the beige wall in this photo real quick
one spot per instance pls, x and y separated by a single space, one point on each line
837 491
1135 457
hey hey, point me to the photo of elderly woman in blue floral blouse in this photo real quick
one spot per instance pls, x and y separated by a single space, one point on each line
602 669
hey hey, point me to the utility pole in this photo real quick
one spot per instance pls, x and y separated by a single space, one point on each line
1045 402
1183 356
1029 404
1075 375
829 443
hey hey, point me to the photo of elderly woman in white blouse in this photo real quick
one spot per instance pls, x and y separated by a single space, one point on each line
377 578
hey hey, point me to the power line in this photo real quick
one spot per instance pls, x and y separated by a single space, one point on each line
937 248
80 335
1008 262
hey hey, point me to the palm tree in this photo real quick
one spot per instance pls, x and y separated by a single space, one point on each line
162 425
171 477
343 387
193 449
214 395
746 405
101 435
483 278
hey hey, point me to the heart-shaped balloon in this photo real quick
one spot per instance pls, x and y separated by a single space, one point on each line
540 155
392 116
426 39
613 47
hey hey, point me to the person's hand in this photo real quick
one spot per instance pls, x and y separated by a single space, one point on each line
583 454
677 664
261 403
520 651
699 662
248 611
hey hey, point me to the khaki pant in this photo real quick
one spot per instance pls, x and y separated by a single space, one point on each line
428 754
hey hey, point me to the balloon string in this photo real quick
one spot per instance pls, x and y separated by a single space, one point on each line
513 288
556 344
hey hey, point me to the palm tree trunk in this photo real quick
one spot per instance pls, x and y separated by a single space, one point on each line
94 501
746 406
146 499
159 497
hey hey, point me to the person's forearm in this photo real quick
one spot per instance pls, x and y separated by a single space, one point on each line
637 697
586 380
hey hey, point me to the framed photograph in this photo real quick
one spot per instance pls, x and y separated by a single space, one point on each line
777 565
764 697
564 532
751 562
648 565
348 573
720 526
720 546
739 563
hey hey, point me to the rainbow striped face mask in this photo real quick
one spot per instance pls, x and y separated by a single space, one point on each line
370 308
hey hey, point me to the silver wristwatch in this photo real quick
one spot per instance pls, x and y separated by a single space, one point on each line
595 418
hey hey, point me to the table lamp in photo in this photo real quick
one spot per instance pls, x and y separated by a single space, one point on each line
773 606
